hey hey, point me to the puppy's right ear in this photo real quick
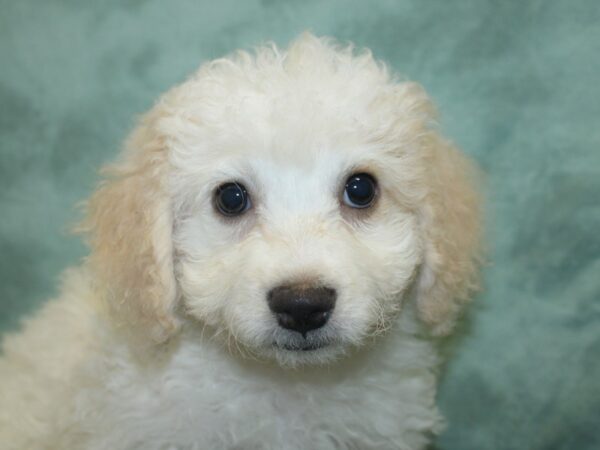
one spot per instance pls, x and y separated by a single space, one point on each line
128 227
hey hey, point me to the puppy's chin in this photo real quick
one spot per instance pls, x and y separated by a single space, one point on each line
309 355
291 349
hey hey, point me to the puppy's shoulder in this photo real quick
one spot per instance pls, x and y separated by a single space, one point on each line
61 333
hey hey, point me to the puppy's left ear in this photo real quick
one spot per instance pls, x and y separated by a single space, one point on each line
451 221
129 228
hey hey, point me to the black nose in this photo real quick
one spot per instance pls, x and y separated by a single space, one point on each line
302 308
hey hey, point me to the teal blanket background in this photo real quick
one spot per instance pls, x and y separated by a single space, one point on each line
517 85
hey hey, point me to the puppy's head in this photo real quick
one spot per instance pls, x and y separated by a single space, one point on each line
288 201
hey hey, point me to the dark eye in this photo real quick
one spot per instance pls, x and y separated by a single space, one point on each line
231 199
360 190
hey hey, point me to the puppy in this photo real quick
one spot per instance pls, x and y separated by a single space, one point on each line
273 258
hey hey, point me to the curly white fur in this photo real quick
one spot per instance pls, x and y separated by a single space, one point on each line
163 338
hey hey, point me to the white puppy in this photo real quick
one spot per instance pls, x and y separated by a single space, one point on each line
272 259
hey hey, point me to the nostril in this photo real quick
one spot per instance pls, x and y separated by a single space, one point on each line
285 320
302 308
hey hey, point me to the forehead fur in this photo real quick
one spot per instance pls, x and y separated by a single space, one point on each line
290 104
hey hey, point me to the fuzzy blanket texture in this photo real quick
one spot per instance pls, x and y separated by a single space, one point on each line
517 85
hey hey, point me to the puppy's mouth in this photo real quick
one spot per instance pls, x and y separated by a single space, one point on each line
307 347
314 342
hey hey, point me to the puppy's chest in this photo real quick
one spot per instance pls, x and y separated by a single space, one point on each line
203 400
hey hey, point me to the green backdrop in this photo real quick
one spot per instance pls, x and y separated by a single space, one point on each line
517 84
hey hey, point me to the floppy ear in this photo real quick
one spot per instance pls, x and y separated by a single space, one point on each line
451 220
128 224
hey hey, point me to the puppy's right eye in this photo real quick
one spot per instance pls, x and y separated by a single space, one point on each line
232 199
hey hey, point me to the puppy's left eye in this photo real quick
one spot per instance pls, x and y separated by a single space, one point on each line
360 190
232 199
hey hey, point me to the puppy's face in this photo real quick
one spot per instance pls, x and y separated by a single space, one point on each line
294 237
288 201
